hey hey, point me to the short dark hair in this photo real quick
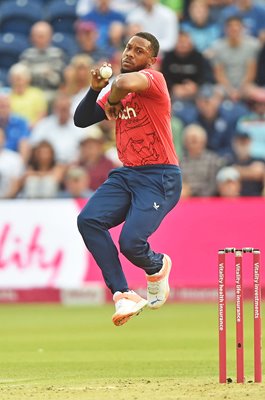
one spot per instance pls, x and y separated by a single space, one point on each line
235 17
154 44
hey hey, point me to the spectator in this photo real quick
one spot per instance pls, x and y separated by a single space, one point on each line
76 183
252 15
92 156
157 19
102 15
110 149
199 165
234 59
253 123
202 30
176 5
186 5
116 37
216 8
218 117
45 61
76 74
183 69
260 77
124 6
27 101
83 7
131 29
11 170
87 40
43 176
251 170
177 132
15 128
228 182
77 78
58 128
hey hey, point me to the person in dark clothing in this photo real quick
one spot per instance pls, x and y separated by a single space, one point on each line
251 170
184 69
260 77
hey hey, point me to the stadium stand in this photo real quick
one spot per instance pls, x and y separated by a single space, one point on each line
61 14
19 15
3 78
11 46
75 35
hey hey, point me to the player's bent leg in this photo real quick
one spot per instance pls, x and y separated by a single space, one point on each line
104 210
149 207
133 242
127 305
157 267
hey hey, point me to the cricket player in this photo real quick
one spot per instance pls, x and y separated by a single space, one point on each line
148 185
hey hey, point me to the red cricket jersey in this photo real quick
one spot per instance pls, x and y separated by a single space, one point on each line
143 127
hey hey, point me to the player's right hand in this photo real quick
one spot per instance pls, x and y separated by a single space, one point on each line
97 82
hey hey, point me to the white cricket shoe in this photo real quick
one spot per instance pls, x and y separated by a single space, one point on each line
127 304
158 286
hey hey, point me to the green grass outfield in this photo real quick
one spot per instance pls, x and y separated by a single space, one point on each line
61 353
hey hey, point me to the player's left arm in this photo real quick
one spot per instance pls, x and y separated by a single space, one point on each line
121 86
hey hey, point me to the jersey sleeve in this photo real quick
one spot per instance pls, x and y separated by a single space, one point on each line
102 101
157 85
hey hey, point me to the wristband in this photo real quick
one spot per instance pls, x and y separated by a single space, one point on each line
113 104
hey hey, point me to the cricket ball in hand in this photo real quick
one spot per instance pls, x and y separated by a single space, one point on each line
105 72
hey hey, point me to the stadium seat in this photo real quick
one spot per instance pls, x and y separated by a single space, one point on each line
11 46
61 14
3 78
19 15
66 42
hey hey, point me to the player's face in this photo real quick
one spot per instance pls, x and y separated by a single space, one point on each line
137 55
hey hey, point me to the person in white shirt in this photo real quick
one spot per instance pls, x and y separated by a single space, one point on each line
157 19
11 170
59 129
124 6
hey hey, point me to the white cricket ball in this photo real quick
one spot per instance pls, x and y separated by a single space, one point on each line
105 72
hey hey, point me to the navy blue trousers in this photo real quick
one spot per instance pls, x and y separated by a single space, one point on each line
140 197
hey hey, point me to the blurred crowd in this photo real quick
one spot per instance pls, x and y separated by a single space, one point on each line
212 56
